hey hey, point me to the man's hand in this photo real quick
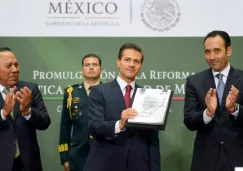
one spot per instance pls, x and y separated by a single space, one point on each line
232 98
9 102
66 166
125 115
211 102
24 97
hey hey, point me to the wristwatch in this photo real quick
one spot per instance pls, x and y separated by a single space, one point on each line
236 107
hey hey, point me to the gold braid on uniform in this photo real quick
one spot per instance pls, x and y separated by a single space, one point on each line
69 100
62 147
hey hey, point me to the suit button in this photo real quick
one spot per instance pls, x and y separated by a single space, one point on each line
221 142
14 141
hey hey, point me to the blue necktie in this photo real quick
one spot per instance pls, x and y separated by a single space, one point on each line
220 87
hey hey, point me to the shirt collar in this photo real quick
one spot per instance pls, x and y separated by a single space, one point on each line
2 88
225 72
86 85
123 83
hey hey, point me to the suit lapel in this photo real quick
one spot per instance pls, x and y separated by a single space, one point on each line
210 83
2 105
17 105
16 110
1 102
232 79
117 93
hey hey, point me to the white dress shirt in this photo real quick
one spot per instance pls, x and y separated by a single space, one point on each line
225 73
4 96
123 85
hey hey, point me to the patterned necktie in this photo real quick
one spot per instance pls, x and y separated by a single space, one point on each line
220 87
6 91
127 95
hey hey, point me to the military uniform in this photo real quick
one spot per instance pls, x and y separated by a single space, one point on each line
74 148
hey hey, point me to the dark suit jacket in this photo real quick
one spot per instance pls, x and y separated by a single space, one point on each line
24 131
224 129
130 150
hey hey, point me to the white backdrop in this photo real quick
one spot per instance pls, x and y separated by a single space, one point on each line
120 18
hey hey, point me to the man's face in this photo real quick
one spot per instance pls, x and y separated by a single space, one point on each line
216 54
129 65
9 69
91 68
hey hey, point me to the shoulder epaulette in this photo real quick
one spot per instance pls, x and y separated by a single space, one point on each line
74 85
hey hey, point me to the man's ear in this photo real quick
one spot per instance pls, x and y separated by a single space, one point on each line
118 61
81 71
229 51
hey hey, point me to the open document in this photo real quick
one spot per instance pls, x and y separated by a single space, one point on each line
152 106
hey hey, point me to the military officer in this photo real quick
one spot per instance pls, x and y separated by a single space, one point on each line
74 140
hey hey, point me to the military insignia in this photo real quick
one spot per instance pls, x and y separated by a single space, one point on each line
63 147
69 90
76 99
75 109
76 113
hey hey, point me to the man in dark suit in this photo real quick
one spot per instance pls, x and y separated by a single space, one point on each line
118 148
74 149
213 108
22 112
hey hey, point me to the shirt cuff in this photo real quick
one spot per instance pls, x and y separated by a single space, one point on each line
3 118
117 128
235 114
206 118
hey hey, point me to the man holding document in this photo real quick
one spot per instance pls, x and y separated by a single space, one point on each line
116 147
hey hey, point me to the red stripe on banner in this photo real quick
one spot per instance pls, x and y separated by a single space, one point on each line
178 98
102 17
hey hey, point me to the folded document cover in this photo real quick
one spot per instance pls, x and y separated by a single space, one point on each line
153 106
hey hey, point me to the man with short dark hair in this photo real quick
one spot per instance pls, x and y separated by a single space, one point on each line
118 148
22 112
74 141
213 108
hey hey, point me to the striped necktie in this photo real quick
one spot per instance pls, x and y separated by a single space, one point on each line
6 91
220 87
